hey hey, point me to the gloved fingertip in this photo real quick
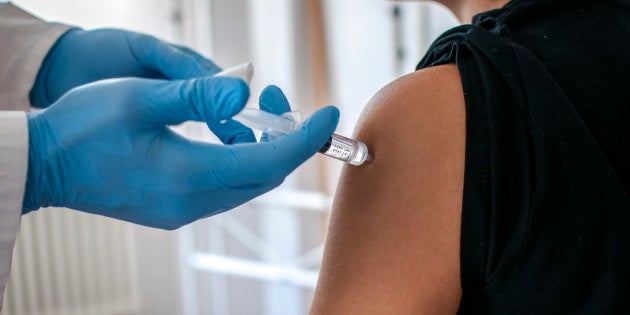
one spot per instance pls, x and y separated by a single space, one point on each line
210 67
270 90
334 112
232 96
326 117
321 125
273 100
304 143
241 91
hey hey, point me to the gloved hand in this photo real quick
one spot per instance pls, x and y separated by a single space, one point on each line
105 148
79 57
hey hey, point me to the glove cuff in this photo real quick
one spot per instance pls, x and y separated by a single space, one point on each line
34 193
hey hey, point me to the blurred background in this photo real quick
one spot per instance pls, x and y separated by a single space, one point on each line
263 257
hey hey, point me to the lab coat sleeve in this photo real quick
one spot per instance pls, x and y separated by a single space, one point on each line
13 164
25 40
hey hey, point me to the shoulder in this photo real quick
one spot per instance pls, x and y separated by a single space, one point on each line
417 121
424 100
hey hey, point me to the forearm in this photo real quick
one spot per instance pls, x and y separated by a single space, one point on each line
25 42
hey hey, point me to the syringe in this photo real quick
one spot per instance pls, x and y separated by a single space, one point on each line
338 147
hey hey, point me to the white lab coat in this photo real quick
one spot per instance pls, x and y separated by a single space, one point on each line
24 42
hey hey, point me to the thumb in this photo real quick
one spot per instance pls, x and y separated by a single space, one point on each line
208 99
267 163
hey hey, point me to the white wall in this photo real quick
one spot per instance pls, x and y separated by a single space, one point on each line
149 16
363 51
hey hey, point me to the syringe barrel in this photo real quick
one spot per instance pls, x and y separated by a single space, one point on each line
338 147
345 149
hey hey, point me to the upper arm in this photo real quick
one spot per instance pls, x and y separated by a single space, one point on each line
393 241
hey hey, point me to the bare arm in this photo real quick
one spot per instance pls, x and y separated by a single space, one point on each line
393 242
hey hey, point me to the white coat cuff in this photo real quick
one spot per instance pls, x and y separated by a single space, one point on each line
13 167
25 42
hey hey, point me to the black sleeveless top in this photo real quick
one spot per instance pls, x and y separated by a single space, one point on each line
546 211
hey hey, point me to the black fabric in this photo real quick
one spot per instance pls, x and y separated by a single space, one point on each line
546 211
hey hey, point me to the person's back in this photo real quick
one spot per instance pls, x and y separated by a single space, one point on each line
583 46
545 207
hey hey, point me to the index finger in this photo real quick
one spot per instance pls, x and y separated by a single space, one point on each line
203 61
176 63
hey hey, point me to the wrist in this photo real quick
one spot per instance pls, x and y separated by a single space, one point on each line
34 196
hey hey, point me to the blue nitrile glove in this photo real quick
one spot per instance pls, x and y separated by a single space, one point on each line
272 100
79 57
105 148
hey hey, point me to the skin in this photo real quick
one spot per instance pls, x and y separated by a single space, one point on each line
464 10
393 240
392 245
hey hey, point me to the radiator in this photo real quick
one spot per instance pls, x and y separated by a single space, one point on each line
67 262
